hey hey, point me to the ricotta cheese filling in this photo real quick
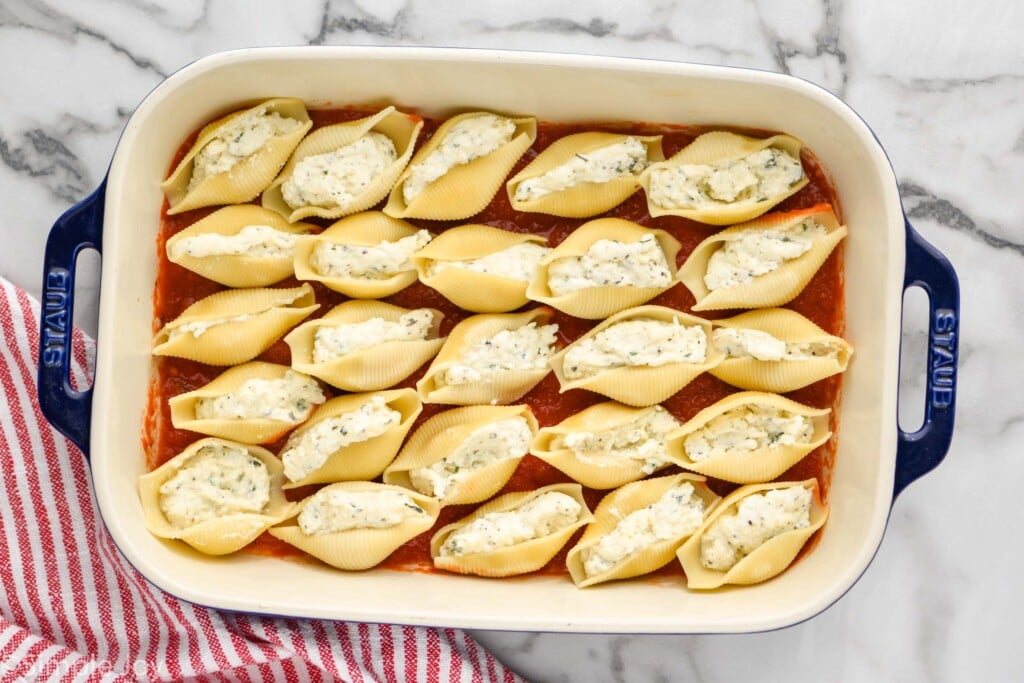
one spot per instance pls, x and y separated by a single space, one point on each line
333 342
467 140
215 482
290 399
305 453
544 515
618 160
257 241
377 262
630 343
329 511
677 514
642 440
758 252
611 263
518 262
744 343
198 328
758 518
755 178
526 348
336 179
494 442
746 430
239 138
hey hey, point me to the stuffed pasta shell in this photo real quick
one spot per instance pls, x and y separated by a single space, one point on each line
754 534
460 169
584 174
237 156
235 325
216 495
365 256
252 403
639 357
366 345
513 534
723 178
355 525
239 246
638 528
344 168
491 359
763 263
464 455
606 266
480 268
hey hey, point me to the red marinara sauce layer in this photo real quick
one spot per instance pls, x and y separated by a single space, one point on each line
822 301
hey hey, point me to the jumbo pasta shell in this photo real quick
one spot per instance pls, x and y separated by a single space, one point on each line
584 199
357 549
601 301
222 535
472 290
748 467
498 388
776 288
401 128
439 437
613 508
770 559
640 385
781 376
246 430
248 177
465 189
521 558
367 229
230 338
362 460
595 471
720 147
379 367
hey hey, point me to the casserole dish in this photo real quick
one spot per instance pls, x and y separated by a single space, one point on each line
883 256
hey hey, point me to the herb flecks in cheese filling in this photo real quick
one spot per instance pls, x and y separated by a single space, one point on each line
642 440
759 518
677 514
499 440
290 399
217 481
377 262
256 241
618 160
544 515
758 252
518 262
746 430
336 179
746 343
307 452
758 177
526 348
332 510
238 139
333 342
650 343
611 263
469 139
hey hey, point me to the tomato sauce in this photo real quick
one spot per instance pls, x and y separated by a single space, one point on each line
822 301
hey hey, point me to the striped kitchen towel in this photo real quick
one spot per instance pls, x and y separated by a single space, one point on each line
74 609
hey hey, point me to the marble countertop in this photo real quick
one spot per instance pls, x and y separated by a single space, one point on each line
942 85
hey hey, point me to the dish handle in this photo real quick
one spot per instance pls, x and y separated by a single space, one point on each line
919 452
67 409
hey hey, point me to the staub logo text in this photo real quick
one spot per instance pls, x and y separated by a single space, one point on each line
943 353
55 317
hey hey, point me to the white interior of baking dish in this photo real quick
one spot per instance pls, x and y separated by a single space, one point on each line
552 87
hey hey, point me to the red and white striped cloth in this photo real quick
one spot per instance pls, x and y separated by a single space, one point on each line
73 609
